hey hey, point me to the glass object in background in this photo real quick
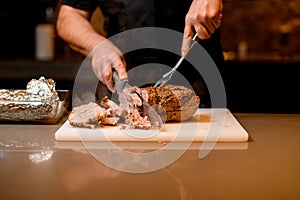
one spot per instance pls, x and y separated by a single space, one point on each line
44 42
45 35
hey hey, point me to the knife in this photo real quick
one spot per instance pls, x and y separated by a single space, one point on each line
124 95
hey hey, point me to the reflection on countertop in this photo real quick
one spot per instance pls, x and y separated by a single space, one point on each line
35 166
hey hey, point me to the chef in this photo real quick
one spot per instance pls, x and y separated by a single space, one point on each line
198 16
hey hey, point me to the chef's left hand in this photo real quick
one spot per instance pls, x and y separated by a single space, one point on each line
106 57
203 17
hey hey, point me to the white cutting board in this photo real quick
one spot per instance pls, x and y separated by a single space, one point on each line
206 125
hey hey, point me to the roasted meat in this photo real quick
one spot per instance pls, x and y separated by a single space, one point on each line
176 103
171 102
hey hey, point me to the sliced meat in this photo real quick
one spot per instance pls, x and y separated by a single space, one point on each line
90 115
172 103
136 117
111 121
113 107
87 115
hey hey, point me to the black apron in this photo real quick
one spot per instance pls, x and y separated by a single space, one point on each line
122 15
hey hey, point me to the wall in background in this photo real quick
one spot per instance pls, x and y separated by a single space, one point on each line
265 25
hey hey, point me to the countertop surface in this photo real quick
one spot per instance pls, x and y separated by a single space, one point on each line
34 166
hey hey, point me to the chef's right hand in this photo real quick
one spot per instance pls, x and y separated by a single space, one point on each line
203 18
106 57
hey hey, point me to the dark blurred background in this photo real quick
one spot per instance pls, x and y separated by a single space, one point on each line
18 20
260 39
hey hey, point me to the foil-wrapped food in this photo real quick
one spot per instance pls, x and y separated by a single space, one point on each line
40 102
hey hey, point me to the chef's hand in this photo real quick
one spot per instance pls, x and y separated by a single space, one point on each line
106 57
203 17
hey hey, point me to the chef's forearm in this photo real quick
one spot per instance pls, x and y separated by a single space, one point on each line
74 27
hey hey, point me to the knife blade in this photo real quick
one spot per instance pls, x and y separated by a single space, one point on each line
124 94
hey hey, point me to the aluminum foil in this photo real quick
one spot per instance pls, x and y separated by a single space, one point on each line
39 102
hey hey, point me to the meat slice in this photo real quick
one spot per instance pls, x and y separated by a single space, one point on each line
111 121
86 115
136 115
112 107
137 119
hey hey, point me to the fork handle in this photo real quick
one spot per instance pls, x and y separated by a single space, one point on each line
195 37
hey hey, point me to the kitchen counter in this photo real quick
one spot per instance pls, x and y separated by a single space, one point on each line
34 166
